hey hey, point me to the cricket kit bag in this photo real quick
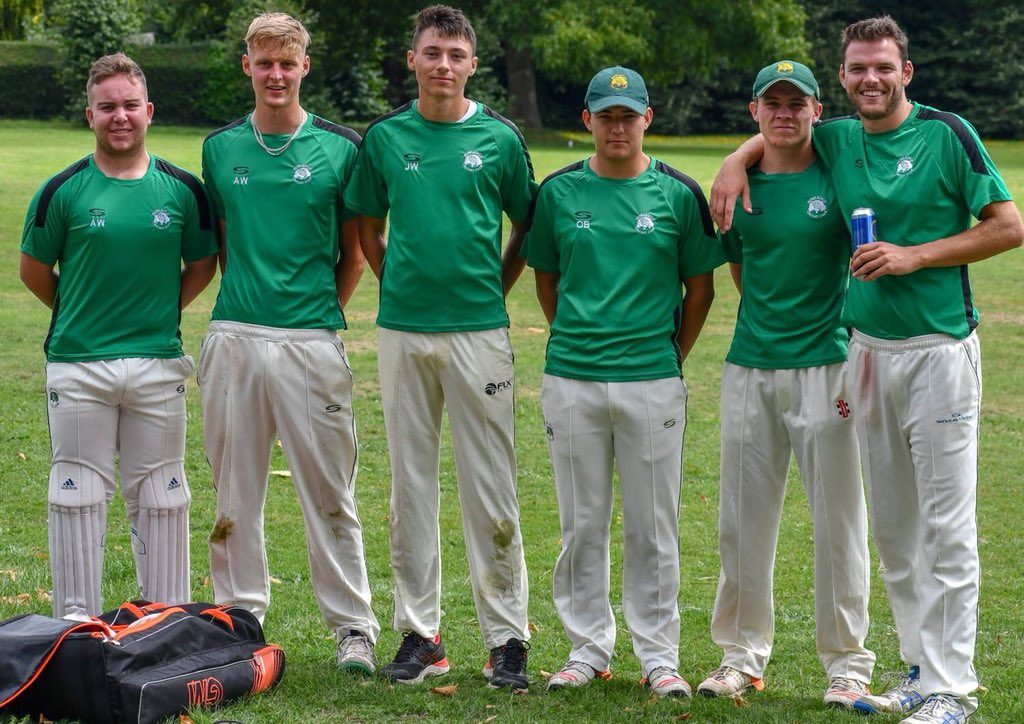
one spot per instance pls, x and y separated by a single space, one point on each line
143 662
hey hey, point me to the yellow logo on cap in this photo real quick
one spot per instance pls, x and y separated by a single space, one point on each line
619 82
784 67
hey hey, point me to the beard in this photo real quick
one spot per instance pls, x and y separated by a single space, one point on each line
872 115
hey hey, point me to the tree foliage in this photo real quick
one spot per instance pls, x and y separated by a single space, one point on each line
14 14
88 29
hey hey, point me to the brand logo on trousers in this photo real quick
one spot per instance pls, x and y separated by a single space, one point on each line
68 484
174 484
332 408
844 408
493 388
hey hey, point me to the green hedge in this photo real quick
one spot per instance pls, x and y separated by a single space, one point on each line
175 74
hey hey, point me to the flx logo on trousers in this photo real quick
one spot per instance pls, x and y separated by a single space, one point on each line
493 388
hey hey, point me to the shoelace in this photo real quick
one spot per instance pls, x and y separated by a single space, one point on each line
358 644
512 655
662 671
722 673
585 671
941 704
410 642
841 682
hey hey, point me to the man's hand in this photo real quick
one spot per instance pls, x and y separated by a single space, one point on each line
731 182
880 258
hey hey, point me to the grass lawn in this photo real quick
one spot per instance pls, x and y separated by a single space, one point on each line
314 690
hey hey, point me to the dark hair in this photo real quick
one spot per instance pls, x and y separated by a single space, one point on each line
873 29
117 64
448 21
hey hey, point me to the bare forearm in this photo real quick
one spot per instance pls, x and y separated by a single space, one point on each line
512 264
700 293
39 278
372 243
547 294
195 277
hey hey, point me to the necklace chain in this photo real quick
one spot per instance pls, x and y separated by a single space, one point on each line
280 149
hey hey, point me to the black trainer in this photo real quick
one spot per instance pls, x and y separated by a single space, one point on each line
417 658
507 665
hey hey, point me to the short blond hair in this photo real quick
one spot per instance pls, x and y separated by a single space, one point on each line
277 29
117 64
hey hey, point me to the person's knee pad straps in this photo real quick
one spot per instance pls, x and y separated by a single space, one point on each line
160 539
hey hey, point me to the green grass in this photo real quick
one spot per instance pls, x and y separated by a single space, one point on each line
313 689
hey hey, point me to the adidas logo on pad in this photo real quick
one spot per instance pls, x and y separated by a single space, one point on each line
174 484
68 484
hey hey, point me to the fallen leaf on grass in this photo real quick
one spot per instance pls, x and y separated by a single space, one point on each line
20 599
536 330
185 719
13 574
44 720
652 699
532 627
982 689
43 595
281 473
42 555
999 637
274 580
740 702
545 674
22 456
448 690
490 719
703 498
685 716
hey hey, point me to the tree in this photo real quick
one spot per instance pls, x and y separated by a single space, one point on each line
88 29
14 14
668 41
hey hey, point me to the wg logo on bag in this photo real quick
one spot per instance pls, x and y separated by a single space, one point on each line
205 692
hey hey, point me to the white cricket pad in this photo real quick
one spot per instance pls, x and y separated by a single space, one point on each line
160 538
78 522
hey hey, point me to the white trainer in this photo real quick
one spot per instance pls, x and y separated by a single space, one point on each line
666 681
355 653
843 693
903 698
727 681
575 674
939 709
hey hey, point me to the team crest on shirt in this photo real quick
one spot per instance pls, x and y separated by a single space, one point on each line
817 207
161 219
302 174
472 160
645 223
54 396
97 218
904 166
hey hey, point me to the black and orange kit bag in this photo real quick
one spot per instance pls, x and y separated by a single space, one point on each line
140 663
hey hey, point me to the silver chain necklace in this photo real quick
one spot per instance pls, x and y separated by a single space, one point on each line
280 149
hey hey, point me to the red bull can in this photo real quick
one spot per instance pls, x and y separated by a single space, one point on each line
863 227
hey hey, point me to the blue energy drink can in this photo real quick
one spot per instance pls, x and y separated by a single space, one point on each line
863 227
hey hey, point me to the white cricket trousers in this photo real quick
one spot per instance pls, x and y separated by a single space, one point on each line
256 382
917 405
637 427
132 409
471 374
766 415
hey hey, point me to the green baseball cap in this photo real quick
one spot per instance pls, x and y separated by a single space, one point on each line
617 86
786 70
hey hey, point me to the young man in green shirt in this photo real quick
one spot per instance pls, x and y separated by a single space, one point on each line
784 393
118 225
272 363
623 251
915 361
444 168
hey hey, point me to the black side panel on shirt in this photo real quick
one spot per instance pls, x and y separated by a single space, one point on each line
334 128
571 167
51 188
236 122
963 135
965 284
397 111
193 185
695 189
522 140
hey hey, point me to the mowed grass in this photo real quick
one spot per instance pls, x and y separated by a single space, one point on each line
314 690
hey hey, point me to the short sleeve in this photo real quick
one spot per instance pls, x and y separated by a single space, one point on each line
45 229
732 245
699 250
197 238
366 192
518 186
215 202
980 181
540 245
